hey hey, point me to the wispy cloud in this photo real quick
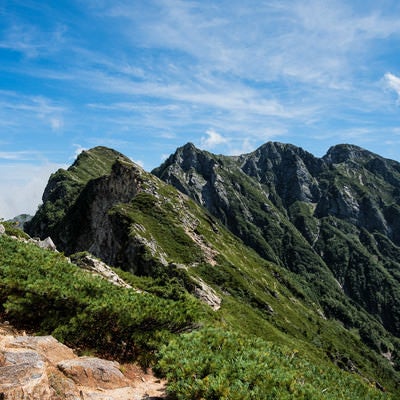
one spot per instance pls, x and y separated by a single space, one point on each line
19 155
212 70
145 77
32 42
393 82
283 38
18 109
244 146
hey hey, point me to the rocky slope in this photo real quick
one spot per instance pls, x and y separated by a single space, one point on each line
316 265
339 213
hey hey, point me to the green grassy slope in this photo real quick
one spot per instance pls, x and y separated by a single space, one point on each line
170 242
238 353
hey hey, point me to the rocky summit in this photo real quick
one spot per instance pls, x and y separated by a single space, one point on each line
274 252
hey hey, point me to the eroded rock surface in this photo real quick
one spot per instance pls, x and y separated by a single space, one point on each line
93 371
97 267
207 294
40 367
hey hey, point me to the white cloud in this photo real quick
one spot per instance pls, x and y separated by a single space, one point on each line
393 82
212 139
139 162
22 186
78 150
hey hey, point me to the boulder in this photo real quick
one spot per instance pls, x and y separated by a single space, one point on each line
23 375
47 244
94 372
98 267
52 350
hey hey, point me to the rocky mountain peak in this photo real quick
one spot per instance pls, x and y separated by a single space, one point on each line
280 195
347 152
189 157
286 169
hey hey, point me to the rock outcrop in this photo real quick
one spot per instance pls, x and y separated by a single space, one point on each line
104 216
86 219
97 267
40 367
93 372
207 294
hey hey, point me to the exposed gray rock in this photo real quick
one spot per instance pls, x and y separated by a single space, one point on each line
207 294
98 267
2 229
47 244
347 152
24 372
290 170
293 209
51 349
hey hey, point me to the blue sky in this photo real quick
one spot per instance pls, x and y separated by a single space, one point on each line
147 76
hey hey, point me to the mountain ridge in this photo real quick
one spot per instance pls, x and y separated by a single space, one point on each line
314 266
285 190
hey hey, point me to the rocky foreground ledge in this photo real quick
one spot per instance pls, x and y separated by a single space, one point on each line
40 367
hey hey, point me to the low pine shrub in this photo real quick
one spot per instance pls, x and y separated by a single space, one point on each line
216 364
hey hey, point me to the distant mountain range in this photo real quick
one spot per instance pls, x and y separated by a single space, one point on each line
288 247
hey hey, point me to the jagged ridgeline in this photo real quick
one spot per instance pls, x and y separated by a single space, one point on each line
334 221
311 268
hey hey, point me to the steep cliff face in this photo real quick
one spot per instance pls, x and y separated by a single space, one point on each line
89 225
361 187
77 207
339 213
65 186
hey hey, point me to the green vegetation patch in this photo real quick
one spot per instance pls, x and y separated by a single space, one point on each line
160 223
216 364
40 290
